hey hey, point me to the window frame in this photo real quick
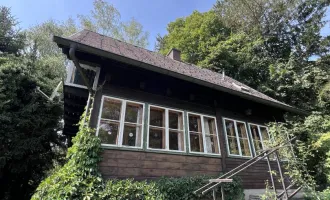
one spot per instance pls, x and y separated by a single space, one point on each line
71 70
237 138
203 134
260 135
167 129
121 122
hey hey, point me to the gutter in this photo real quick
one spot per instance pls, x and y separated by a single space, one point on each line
106 54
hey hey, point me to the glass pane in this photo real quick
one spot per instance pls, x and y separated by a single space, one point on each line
211 144
195 123
241 130
245 147
157 117
76 78
111 109
196 142
209 126
175 120
233 146
254 132
157 138
264 133
230 129
257 146
108 132
132 135
133 113
176 141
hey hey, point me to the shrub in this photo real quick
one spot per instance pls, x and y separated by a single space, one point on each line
183 188
129 189
79 177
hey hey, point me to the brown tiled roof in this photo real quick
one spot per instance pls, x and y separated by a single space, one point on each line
157 60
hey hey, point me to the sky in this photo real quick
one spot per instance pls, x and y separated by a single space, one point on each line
154 15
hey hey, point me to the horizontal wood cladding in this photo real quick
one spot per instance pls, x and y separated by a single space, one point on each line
148 165
255 176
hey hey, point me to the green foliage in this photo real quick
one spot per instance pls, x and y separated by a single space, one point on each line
45 52
182 188
309 166
79 177
29 129
264 44
194 35
129 189
11 39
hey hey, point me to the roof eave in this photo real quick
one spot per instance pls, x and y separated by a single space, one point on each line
97 51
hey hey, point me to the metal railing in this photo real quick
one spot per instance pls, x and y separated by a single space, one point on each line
213 183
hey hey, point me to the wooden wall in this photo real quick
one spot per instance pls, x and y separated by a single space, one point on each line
255 177
148 165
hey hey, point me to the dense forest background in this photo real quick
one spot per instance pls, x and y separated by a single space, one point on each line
273 46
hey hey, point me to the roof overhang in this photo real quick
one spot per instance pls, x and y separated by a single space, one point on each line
96 51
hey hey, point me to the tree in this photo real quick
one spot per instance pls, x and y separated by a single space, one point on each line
29 132
105 19
45 52
11 39
194 35
30 124
265 44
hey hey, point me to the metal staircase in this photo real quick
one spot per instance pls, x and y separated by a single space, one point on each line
265 154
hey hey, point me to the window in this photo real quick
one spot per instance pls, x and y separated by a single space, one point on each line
121 122
166 129
238 142
74 77
261 138
203 134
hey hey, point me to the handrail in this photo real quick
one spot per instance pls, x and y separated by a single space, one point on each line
238 169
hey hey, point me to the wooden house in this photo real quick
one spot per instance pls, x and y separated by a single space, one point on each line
159 116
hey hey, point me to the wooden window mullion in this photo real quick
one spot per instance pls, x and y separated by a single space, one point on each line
237 139
122 123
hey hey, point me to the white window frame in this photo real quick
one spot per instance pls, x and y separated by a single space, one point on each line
237 138
71 71
260 135
167 129
203 134
121 122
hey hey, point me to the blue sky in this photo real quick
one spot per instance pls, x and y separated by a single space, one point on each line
154 15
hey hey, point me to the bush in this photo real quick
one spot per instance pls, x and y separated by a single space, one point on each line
129 189
183 188
79 177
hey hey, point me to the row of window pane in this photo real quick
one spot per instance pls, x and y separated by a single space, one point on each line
121 124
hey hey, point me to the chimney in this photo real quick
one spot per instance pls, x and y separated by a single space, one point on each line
175 54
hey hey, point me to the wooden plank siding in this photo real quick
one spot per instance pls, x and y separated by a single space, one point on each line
148 165
255 177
